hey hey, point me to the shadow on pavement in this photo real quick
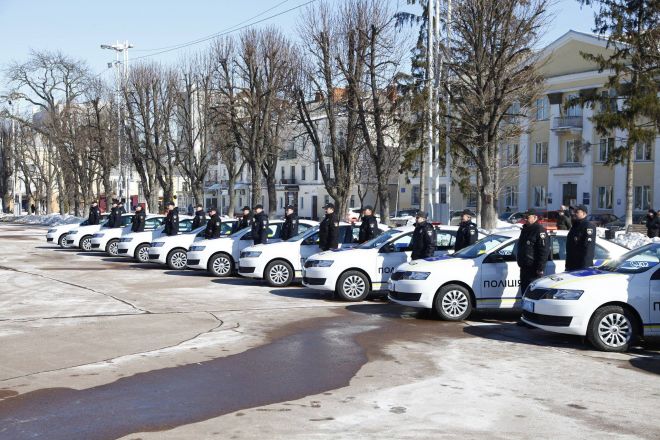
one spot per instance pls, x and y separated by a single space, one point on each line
117 260
649 364
509 332
184 272
299 293
238 281
387 310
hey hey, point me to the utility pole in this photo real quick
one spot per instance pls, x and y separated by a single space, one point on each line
430 85
448 158
123 154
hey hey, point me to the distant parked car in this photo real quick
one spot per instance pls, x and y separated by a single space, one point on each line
548 219
620 223
601 219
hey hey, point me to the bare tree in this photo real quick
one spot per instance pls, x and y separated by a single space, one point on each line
492 66
6 164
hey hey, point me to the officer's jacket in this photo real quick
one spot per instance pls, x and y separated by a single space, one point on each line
653 226
94 215
580 245
114 220
260 228
466 235
242 223
329 232
368 228
423 241
137 223
289 227
198 220
533 247
564 222
172 222
121 209
213 227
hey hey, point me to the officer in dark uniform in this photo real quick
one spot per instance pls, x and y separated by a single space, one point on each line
467 231
120 205
137 224
244 222
424 239
199 219
581 241
652 224
369 227
260 226
290 225
563 219
171 220
213 226
94 214
329 229
533 250
114 220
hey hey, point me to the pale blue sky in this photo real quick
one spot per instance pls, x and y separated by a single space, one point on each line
78 27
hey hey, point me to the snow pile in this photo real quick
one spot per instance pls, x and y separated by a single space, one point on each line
46 220
633 240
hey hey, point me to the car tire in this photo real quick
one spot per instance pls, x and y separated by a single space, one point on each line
61 242
353 286
279 273
612 328
86 243
142 253
221 265
453 303
112 248
177 259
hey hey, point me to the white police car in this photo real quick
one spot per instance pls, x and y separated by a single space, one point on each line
58 234
107 239
172 250
280 263
136 244
354 273
81 237
219 256
611 305
484 275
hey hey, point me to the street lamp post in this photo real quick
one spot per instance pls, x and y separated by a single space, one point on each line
124 159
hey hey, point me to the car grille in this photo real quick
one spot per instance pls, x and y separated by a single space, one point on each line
69 242
314 281
549 320
243 269
49 239
405 296
123 251
536 293
95 246
155 257
192 262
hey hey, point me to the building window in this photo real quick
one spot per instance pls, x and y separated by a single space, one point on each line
281 202
472 198
352 202
327 169
539 196
541 153
302 203
510 155
605 149
316 170
443 194
610 103
415 196
282 173
605 197
643 151
510 196
326 200
572 154
642 198
574 110
303 172
293 172
542 109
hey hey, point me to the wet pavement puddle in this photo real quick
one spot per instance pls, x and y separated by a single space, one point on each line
302 359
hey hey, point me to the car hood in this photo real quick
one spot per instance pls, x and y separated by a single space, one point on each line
281 247
435 263
352 253
581 279
214 243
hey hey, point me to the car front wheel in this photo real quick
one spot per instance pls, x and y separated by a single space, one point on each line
86 243
452 303
112 248
279 273
62 241
353 286
612 328
177 259
142 253
221 265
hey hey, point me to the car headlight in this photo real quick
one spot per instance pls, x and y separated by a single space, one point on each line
319 263
564 294
411 275
157 244
97 235
51 231
196 248
250 254
126 240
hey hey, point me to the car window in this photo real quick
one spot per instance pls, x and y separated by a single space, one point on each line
152 223
185 226
126 220
303 227
636 261
508 252
401 244
444 239
274 231
312 239
601 253
558 249
349 234
85 223
481 247
225 228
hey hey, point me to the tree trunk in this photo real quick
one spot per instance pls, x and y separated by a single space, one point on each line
198 192
231 184
272 195
630 166
255 177
384 198
488 208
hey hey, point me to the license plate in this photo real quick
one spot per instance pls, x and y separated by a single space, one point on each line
528 306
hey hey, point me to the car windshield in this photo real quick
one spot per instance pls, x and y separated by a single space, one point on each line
304 234
636 261
380 240
481 247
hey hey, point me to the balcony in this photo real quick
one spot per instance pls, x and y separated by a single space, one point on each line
288 154
288 181
567 123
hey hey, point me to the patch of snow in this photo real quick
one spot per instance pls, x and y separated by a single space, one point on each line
633 240
46 220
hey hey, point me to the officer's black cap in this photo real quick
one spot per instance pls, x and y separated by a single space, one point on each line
583 209
329 206
289 207
468 212
169 203
259 207
368 207
422 214
212 208
246 208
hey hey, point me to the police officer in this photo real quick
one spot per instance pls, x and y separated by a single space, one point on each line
369 227
652 224
137 224
171 220
243 222
329 229
564 219
424 239
200 218
94 214
581 241
467 231
260 226
213 226
120 205
532 253
114 220
290 225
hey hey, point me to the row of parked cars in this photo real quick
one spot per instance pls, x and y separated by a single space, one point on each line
612 304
